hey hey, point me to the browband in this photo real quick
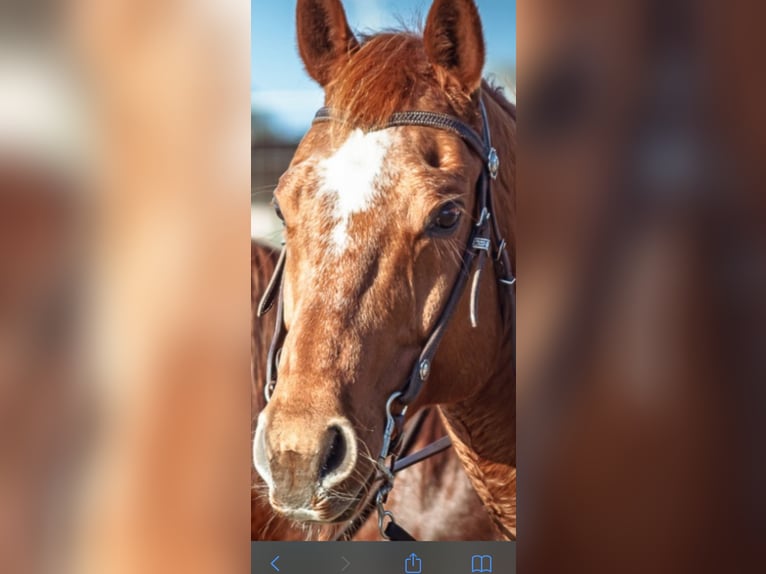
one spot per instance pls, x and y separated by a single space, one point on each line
424 119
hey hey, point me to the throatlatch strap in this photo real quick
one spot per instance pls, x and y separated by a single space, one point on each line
275 284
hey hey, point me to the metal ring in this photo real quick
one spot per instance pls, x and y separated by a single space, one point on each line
381 518
388 433
382 513
395 395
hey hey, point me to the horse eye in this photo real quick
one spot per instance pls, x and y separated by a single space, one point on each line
446 218
277 209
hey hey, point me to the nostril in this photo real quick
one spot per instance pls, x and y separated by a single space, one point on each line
336 454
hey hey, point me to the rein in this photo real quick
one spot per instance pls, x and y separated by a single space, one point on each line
409 436
484 235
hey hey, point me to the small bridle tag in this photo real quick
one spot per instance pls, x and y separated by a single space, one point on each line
482 243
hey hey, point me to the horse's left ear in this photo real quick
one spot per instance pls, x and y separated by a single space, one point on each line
324 38
454 41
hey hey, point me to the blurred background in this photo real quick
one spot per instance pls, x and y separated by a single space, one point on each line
641 281
284 98
124 286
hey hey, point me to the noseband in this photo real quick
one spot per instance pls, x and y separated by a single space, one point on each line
485 240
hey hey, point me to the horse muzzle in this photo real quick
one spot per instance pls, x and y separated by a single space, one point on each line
306 465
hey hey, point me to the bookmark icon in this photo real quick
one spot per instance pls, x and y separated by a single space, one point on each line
481 564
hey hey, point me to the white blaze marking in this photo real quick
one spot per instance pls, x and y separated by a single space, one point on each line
354 176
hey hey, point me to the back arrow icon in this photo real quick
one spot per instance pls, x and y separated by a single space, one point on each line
273 565
347 563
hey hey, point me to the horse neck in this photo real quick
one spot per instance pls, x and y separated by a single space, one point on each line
483 432
483 426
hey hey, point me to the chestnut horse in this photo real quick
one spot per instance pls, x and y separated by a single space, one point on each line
386 216
434 499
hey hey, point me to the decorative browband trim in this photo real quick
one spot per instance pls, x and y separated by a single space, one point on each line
424 119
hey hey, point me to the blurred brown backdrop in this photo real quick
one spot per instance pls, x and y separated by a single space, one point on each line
124 300
641 282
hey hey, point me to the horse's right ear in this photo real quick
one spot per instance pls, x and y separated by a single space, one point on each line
454 41
324 37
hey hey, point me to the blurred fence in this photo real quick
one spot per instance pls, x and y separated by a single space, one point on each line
269 159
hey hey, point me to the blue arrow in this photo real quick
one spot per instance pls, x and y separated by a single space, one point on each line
274 566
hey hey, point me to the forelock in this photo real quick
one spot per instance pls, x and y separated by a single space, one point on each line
390 72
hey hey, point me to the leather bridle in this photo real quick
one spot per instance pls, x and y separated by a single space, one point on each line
485 240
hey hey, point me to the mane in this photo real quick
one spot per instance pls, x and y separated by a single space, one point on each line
505 202
390 72
497 93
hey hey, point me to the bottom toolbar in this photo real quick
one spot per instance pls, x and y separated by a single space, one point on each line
383 557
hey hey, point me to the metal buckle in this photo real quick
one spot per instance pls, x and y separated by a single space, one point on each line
387 473
482 243
483 216
493 163
390 427
382 512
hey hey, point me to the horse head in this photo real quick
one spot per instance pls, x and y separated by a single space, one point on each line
377 218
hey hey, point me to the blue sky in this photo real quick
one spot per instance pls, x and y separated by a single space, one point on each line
280 87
